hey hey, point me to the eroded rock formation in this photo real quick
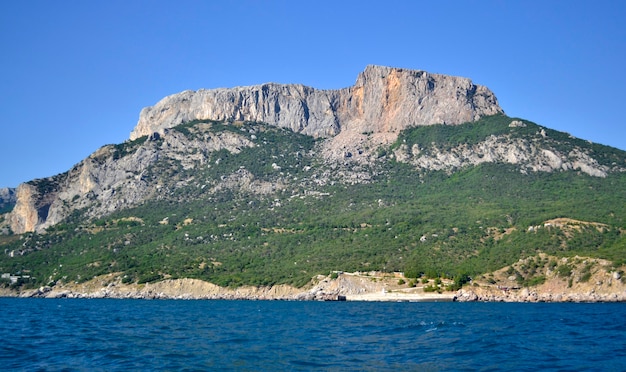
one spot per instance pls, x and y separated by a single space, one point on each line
382 100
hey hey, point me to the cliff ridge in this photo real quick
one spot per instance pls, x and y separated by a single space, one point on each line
383 100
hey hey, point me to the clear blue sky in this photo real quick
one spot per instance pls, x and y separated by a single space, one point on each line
75 74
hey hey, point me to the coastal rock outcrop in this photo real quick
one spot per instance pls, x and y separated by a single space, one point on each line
526 295
345 287
585 280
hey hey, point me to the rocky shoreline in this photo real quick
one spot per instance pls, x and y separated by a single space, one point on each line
530 295
264 294
344 287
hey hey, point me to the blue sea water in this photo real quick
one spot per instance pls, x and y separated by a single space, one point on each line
108 335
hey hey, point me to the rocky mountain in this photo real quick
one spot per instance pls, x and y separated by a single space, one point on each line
109 179
371 113
405 171
383 100
357 121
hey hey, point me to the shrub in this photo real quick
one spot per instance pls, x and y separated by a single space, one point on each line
585 277
432 288
564 271
538 280
586 273
148 278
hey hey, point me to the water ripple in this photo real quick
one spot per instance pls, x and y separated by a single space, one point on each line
106 335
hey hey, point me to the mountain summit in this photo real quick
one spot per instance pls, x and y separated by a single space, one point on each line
383 100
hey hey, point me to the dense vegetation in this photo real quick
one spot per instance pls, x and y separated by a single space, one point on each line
433 223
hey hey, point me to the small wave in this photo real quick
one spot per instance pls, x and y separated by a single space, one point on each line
235 341
312 364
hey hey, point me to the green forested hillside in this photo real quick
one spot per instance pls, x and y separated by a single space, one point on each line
471 221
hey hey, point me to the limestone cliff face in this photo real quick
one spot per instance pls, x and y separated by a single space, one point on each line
527 153
112 178
24 216
383 100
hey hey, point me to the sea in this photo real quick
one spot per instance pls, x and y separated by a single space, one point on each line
214 335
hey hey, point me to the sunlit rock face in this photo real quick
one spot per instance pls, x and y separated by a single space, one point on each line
383 100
